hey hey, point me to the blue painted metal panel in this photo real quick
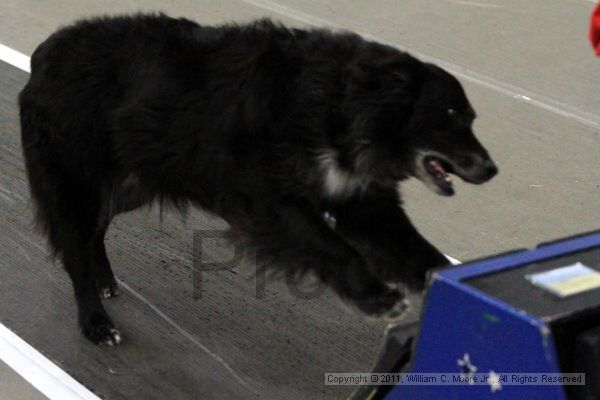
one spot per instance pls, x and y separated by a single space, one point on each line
495 338
514 260
458 320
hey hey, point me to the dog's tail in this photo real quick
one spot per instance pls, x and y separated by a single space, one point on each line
34 141
50 184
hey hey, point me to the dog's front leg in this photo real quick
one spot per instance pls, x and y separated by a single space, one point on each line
298 236
377 226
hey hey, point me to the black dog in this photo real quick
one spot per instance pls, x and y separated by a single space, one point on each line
265 126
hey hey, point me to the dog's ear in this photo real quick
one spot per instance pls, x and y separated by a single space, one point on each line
380 93
382 87
382 77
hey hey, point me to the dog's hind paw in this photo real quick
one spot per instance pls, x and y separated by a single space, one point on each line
108 291
100 330
112 339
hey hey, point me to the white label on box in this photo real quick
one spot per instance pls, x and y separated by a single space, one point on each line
567 281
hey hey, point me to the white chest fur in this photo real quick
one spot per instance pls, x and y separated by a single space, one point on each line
337 181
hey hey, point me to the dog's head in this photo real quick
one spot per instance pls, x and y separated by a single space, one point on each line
441 136
414 119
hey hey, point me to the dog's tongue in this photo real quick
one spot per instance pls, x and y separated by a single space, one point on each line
439 170
435 168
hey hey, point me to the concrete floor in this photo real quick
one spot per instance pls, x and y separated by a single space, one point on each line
531 76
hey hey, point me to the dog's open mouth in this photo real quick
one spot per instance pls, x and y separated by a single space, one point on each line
434 169
439 171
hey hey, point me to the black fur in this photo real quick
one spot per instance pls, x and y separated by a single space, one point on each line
265 126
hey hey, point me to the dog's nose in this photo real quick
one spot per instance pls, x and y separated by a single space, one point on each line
490 168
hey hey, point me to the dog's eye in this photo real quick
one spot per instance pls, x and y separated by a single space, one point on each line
451 112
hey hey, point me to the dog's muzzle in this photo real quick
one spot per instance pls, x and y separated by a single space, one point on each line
434 169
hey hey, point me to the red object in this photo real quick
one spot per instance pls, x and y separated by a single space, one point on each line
595 29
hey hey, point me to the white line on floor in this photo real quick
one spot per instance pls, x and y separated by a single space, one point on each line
14 58
504 88
39 371
474 4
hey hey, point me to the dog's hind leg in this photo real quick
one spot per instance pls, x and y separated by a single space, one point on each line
126 195
106 282
93 319
298 237
68 208
375 224
120 197
70 211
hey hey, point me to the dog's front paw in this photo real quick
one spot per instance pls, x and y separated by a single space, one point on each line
390 305
413 273
99 329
